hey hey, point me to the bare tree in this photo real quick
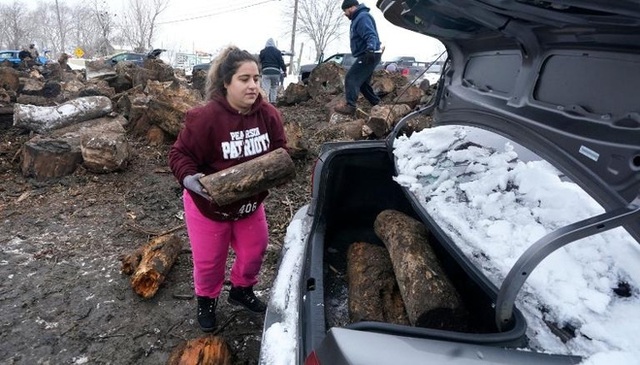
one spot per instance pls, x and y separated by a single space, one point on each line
140 20
14 24
51 24
95 29
61 25
322 21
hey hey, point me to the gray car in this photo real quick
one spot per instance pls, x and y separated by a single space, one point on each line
529 87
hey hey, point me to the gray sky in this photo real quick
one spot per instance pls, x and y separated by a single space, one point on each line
208 25
249 23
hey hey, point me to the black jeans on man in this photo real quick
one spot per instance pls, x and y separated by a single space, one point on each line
358 78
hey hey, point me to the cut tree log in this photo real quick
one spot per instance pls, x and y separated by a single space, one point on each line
44 158
44 118
382 118
149 265
373 291
296 143
351 130
430 298
205 350
249 178
326 79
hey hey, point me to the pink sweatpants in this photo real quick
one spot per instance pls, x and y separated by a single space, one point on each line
210 241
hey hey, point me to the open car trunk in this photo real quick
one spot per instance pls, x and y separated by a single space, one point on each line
361 186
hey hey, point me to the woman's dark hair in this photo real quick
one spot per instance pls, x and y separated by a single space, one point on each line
223 69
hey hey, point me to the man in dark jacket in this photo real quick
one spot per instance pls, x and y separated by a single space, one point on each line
273 66
366 47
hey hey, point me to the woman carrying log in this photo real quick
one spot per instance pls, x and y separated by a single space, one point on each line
234 126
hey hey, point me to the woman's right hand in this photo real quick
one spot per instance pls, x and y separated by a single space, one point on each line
192 182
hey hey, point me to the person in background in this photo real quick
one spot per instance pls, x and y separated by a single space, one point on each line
391 67
273 67
33 51
366 47
24 54
234 126
25 58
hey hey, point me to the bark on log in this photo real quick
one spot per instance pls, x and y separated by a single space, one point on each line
430 298
326 79
249 178
44 158
373 291
42 118
296 143
383 118
345 131
35 100
149 264
206 350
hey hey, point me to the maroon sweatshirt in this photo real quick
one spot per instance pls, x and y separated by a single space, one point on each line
215 137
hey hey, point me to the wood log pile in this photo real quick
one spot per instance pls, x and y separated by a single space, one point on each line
402 282
326 86
153 100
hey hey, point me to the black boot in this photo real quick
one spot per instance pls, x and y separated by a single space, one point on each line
245 297
207 313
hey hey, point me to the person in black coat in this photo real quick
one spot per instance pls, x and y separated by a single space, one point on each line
273 67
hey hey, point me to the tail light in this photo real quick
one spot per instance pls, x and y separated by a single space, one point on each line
405 71
312 359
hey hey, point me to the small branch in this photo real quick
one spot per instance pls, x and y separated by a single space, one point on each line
136 227
225 324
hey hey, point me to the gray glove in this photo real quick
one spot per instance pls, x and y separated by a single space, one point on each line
191 182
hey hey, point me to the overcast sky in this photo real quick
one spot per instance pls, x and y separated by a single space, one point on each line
208 25
212 24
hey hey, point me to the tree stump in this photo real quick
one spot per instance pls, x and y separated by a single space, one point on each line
44 118
430 298
206 350
373 291
149 265
249 178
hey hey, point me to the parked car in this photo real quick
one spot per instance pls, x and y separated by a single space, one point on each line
531 111
408 66
207 65
201 67
12 56
134 57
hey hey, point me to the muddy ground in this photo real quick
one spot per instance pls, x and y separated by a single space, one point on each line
63 299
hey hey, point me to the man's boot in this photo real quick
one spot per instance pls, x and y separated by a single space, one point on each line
207 313
245 297
345 109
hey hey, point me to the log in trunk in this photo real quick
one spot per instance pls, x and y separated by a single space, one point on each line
430 298
149 264
373 291
249 178
206 350
45 118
